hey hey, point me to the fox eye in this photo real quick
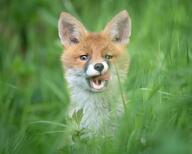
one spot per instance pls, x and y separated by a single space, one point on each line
108 56
84 57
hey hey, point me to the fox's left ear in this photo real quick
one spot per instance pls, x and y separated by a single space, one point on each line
119 28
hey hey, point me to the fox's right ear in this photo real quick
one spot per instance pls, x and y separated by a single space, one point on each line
71 31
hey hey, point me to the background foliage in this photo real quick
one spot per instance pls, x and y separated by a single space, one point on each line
33 94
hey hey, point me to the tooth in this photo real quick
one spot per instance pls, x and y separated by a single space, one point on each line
97 82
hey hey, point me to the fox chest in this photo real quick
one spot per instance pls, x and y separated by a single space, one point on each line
96 110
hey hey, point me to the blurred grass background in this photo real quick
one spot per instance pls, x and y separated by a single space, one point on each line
33 94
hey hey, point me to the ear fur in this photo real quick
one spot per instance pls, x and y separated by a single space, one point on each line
71 31
119 28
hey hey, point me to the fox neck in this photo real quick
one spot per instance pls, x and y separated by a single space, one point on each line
96 107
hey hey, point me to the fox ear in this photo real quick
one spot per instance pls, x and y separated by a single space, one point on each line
71 31
119 28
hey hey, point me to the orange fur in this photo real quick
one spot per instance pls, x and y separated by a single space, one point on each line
97 45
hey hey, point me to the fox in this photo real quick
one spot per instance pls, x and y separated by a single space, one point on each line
94 63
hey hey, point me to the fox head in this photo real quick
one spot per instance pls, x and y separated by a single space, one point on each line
89 58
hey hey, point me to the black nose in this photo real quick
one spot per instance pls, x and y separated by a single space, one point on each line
99 67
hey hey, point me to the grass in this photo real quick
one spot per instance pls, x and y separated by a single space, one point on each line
33 93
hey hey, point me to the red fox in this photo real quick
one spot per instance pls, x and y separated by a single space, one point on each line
91 62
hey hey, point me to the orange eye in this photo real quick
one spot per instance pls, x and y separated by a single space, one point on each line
108 56
84 57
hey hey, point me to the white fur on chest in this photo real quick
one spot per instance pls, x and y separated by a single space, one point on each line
97 107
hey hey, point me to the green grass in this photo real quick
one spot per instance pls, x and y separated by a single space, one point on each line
33 93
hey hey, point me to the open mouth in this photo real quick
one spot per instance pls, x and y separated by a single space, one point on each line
98 83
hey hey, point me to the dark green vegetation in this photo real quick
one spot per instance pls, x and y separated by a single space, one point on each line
33 95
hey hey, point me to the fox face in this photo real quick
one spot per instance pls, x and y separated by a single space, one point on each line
89 58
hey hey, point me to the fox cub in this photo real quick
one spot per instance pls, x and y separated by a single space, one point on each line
93 64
